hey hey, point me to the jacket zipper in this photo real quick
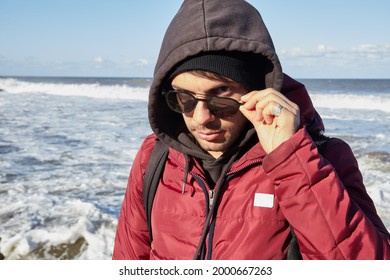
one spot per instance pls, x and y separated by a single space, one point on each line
228 176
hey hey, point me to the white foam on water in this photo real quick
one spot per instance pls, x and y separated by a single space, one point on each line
352 101
94 90
73 230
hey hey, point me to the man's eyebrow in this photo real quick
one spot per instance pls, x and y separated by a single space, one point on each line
233 85
216 87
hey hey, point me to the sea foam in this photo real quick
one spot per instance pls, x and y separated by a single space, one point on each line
95 90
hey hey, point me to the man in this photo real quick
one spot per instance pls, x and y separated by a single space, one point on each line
243 172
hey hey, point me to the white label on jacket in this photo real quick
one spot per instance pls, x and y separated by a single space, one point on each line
264 200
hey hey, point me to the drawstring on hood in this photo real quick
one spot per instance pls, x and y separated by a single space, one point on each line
186 170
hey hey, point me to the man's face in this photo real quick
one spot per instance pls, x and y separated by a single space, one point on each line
214 135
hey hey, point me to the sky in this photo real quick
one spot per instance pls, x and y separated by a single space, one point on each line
122 38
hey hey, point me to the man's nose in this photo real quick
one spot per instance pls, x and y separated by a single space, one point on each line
201 113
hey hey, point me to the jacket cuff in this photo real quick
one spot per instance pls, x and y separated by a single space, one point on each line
286 150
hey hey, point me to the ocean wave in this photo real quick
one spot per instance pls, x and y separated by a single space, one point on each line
95 90
90 234
350 101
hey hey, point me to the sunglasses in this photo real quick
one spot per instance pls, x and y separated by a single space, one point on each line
182 101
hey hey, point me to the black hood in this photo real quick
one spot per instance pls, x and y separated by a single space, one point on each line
206 26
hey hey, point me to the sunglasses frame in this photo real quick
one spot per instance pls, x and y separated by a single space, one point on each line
215 110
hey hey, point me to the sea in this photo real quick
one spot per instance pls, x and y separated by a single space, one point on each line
67 146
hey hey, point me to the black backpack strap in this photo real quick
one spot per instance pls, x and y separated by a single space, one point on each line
153 172
320 140
293 252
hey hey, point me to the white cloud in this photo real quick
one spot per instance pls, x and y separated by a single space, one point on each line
293 52
325 49
373 52
142 62
319 51
98 59
365 60
134 63
364 50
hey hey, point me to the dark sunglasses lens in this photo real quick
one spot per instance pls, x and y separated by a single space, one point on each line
180 102
184 102
223 107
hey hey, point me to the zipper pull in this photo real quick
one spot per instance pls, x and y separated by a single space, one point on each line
211 198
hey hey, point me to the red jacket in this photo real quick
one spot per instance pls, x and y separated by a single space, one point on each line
321 196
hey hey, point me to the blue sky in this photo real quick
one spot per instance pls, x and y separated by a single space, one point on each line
121 38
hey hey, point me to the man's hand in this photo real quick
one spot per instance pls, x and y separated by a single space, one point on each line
261 108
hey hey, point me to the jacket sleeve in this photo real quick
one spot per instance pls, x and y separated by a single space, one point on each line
132 237
325 201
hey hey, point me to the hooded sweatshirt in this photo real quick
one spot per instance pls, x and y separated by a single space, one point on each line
210 26
243 204
206 26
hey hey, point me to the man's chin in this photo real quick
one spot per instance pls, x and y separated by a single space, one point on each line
213 147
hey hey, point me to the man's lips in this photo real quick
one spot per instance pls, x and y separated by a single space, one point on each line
209 136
